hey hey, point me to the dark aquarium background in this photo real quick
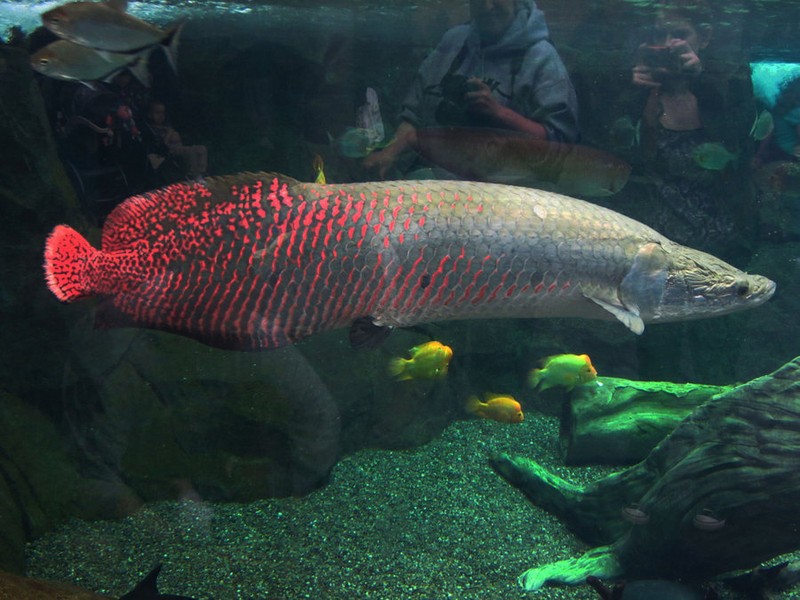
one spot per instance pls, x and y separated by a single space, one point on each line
311 471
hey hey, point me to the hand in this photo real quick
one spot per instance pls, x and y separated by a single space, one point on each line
479 99
379 162
687 58
643 75
382 160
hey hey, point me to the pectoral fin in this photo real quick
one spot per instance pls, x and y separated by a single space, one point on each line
366 335
641 290
628 316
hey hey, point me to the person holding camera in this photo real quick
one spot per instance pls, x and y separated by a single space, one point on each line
499 70
694 130
667 66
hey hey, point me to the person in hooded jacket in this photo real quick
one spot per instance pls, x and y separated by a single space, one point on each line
499 70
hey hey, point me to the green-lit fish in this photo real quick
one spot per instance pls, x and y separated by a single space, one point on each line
566 370
428 361
762 126
106 26
71 62
712 156
357 142
624 134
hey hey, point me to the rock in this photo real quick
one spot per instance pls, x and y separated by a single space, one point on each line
33 177
719 494
40 485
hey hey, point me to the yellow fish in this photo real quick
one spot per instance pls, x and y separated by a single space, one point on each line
567 370
319 166
497 408
428 361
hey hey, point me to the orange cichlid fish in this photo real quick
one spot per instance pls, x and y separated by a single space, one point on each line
497 408
428 361
566 370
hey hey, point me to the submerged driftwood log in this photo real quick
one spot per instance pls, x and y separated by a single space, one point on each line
620 421
721 493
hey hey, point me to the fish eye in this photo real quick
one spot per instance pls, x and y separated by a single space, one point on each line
743 289
43 62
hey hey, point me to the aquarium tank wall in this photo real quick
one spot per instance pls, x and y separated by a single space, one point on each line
447 299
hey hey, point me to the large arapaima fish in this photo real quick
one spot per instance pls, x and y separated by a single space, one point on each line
256 261
500 156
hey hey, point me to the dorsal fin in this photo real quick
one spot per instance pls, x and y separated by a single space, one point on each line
124 224
221 183
146 588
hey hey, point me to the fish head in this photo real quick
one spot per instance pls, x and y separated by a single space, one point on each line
608 175
669 282
516 414
437 351
593 173
431 359
57 20
620 172
45 61
587 372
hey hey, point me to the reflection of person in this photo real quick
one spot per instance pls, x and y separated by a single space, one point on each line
500 70
667 66
131 92
166 142
689 105
101 127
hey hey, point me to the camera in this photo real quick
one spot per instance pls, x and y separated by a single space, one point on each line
452 108
659 57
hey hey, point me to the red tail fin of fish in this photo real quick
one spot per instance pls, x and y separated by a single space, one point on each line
66 256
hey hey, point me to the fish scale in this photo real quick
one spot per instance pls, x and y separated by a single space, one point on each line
258 261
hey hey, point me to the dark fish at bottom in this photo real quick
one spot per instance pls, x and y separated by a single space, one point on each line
255 261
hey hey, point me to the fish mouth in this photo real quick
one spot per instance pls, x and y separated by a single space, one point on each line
761 290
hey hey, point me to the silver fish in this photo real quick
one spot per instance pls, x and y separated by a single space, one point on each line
106 26
71 62
256 261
